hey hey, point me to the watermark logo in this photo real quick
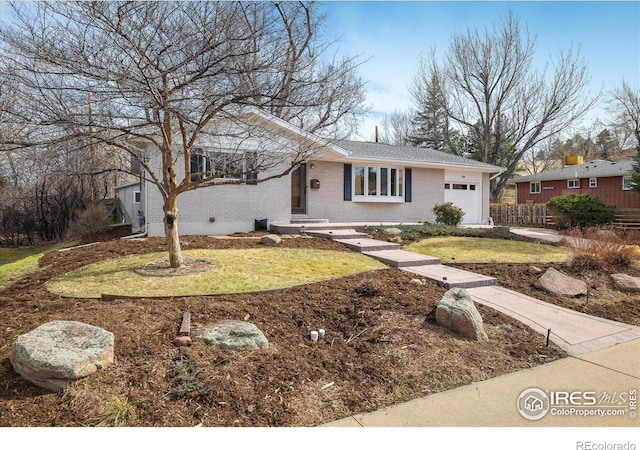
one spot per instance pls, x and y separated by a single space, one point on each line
533 404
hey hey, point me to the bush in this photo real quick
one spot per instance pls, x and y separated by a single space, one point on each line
580 210
428 230
600 248
93 220
448 214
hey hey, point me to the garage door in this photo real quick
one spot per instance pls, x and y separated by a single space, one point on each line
465 196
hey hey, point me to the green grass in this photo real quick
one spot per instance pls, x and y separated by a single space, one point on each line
15 263
486 250
244 270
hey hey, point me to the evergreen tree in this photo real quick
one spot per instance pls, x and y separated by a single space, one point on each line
635 174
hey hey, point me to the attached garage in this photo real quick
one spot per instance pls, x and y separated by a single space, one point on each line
464 191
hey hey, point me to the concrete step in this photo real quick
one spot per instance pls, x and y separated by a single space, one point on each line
450 277
401 258
295 228
338 234
307 220
368 245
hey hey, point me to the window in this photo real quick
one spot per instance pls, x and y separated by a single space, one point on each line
223 165
627 183
460 187
447 186
534 187
593 182
136 197
573 184
377 183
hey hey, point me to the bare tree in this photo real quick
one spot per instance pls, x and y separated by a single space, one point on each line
396 128
162 76
623 102
486 86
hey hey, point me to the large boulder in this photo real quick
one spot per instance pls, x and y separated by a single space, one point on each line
558 283
271 239
234 335
626 283
54 354
392 231
457 312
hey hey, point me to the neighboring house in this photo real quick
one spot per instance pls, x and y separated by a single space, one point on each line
608 180
130 204
346 181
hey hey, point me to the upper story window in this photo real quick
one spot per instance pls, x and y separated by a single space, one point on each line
593 182
136 197
378 183
627 183
573 184
223 165
535 187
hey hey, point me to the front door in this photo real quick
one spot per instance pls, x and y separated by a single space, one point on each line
299 190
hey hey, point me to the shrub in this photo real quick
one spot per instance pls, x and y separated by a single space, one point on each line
580 210
189 380
448 214
119 413
601 247
93 220
368 288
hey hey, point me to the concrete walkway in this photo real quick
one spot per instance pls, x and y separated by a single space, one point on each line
574 332
605 355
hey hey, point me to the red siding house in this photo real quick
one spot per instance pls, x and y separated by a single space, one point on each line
608 180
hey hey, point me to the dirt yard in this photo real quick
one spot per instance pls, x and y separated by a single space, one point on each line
384 350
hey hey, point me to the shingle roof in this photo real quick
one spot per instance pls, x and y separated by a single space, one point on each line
374 150
591 169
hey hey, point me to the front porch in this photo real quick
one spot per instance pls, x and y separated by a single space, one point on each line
299 225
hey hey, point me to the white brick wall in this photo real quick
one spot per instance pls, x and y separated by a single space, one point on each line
327 202
234 208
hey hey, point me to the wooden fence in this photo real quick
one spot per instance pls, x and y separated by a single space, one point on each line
519 215
537 216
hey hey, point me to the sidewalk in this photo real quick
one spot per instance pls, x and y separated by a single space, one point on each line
604 361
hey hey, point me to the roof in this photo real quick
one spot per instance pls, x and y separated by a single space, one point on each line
593 169
397 153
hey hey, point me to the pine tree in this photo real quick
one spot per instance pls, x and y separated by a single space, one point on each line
635 173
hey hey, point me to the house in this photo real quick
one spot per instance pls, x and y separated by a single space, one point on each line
344 181
608 180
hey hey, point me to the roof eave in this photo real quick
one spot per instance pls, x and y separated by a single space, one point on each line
425 164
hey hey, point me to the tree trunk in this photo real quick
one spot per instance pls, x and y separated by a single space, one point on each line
171 231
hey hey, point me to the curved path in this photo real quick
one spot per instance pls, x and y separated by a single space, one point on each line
605 355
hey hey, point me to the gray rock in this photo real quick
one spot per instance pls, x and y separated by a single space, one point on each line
392 231
626 283
182 341
54 354
234 335
457 312
558 283
535 270
271 239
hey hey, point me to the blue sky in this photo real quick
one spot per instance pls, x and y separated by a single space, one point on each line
392 35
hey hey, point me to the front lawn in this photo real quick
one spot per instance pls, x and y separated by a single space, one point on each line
18 262
219 271
487 250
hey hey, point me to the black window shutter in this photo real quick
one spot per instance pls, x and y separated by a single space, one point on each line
194 161
347 182
407 185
